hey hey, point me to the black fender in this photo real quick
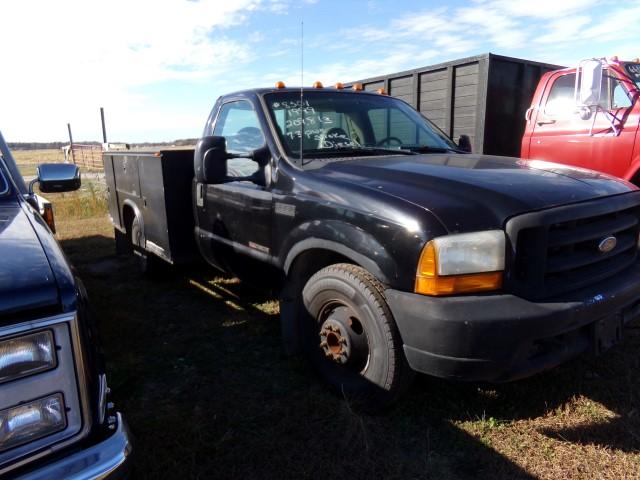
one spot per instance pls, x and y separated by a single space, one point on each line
344 239
333 246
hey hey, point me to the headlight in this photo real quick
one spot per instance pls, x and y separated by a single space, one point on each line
26 355
461 263
30 421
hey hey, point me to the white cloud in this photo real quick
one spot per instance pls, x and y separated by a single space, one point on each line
564 29
279 6
489 22
64 59
613 24
341 71
545 9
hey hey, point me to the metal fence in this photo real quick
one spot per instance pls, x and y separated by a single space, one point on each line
88 156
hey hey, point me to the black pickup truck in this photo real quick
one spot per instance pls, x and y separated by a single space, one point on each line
393 248
55 418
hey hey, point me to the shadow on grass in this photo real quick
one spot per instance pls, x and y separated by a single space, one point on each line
196 364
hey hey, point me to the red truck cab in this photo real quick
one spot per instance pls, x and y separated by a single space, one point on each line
602 138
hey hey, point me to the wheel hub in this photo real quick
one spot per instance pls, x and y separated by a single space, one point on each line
335 341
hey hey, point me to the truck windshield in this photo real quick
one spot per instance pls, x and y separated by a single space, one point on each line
633 70
339 124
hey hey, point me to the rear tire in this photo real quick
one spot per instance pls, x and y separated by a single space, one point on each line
350 337
148 263
123 245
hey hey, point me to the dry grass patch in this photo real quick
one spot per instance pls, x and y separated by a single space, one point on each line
28 160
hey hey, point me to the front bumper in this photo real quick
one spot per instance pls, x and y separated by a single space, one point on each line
501 337
109 459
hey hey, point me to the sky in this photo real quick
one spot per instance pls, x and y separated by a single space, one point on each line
157 66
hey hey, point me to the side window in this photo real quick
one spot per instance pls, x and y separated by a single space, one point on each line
620 98
612 94
238 123
561 97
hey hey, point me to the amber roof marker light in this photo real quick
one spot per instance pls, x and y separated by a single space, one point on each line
339 86
358 87
382 91
317 84
280 84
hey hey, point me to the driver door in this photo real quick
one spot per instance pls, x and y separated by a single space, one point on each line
236 214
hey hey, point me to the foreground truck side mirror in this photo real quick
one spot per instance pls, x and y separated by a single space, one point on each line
56 178
53 178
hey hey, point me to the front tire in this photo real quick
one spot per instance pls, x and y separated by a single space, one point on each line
350 337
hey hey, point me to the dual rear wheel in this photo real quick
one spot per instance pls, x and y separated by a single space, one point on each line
148 263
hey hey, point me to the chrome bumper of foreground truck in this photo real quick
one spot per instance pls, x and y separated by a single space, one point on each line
108 459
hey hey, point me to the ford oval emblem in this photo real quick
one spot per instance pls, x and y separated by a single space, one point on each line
607 244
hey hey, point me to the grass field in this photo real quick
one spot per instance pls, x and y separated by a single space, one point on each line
196 365
28 160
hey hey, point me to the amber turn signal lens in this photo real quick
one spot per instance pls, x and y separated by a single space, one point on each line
428 282
48 217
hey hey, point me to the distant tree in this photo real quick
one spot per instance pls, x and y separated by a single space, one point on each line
183 142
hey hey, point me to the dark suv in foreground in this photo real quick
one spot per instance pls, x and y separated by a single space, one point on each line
55 418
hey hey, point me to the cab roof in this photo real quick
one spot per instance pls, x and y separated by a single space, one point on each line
331 89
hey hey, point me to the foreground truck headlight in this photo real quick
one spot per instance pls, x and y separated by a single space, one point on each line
44 399
24 423
26 355
461 263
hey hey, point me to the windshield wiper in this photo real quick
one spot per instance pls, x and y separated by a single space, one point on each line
428 149
363 149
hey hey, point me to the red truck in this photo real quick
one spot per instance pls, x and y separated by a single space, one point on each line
591 121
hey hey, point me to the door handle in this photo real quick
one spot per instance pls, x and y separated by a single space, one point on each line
546 122
199 195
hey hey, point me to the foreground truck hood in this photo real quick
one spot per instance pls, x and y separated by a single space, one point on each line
475 192
26 279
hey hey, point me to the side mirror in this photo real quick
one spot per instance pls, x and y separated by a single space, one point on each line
588 83
210 160
56 178
464 143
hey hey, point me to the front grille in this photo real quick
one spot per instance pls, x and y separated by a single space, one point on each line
557 250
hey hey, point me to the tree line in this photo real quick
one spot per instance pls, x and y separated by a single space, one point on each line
183 142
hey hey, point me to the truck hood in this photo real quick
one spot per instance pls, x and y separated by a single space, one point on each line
26 279
475 192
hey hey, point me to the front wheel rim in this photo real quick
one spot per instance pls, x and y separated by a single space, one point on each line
342 337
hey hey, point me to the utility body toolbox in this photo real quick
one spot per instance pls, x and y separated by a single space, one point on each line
156 187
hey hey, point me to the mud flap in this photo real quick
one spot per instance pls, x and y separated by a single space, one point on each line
289 320
606 333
